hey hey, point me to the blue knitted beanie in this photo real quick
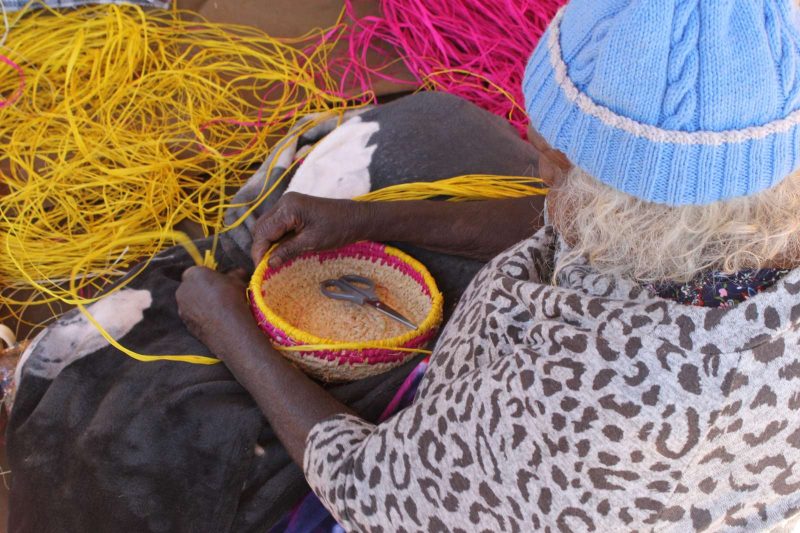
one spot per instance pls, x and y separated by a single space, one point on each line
672 101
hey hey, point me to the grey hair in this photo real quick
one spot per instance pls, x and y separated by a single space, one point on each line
624 236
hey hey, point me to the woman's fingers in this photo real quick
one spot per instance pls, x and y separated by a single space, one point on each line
238 274
300 223
290 248
271 228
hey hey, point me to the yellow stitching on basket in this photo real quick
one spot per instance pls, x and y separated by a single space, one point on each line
345 348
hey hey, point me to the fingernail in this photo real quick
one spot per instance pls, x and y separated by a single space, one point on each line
275 261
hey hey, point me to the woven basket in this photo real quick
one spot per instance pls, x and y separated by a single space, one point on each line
334 340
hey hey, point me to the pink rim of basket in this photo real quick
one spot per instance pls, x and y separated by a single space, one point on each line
363 250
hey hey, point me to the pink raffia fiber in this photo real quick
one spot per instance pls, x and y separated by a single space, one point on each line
475 49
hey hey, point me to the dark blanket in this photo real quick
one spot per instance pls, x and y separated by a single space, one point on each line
100 442
114 444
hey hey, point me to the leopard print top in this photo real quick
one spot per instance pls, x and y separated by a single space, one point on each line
587 405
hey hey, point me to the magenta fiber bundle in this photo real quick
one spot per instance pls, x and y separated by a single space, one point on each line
476 49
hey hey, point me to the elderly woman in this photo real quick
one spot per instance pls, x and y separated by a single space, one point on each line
631 365
628 362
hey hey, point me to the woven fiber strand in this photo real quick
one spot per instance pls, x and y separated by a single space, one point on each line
471 187
342 348
475 49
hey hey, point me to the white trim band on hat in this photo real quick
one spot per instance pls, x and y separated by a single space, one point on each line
652 133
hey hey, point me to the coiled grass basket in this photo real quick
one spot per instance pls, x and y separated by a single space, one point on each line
334 340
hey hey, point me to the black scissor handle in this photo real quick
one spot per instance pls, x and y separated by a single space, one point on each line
368 284
349 288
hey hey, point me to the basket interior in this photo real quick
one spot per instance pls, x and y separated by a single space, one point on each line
293 294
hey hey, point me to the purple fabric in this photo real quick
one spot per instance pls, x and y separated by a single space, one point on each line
715 289
15 5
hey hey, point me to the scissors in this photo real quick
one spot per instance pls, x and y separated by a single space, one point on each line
361 291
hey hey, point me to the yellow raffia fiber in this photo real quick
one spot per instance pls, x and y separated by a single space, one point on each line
461 189
129 122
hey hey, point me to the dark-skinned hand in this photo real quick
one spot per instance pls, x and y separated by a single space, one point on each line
301 223
214 306
215 310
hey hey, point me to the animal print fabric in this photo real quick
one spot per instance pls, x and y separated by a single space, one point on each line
585 405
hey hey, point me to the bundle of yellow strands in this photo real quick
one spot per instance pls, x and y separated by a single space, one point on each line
117 123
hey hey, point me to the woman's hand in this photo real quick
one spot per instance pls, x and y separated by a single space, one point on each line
306 223
215 310
214 307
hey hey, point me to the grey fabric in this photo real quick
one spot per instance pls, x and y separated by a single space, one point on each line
267 184
585 405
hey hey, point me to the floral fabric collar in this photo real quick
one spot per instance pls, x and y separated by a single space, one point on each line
715 289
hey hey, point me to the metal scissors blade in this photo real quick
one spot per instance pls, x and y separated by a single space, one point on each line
391 313
361 291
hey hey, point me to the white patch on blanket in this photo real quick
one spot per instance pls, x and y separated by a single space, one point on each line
338 166
72 337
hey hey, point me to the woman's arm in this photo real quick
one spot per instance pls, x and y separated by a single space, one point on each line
214 309
352 465
459 440
478 230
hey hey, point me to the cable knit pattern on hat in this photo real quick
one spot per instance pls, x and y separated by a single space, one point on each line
680 99
677 101
785 61
585 55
